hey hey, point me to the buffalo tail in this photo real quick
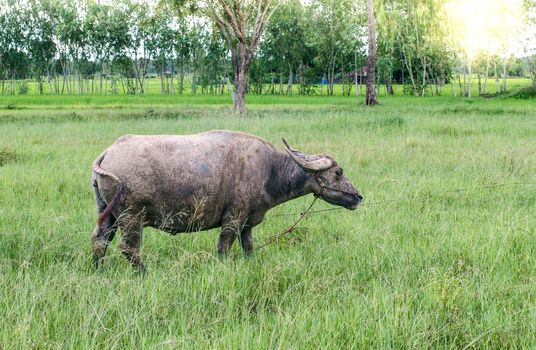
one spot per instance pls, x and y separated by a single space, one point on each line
116 199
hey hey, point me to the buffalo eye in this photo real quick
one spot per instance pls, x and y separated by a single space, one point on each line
339 172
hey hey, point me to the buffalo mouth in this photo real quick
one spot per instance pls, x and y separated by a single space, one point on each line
350 201
353 206
355 203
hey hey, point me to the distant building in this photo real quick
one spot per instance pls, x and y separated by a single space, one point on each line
361 73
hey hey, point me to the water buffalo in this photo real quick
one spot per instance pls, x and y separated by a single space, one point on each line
198 182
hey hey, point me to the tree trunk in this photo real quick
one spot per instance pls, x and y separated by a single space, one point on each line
389 85
532 73
343 80
40 83
79 82
464 82
486 76
371 98
136 74
302 79
423 78
171 86
51 88
479 81
355 75
454 86
410 70
64 83
470 79
504 76
332 76
290 80
240 97
101 73
324 79
193 81
496 77
181 80
281 83
230 88
162 90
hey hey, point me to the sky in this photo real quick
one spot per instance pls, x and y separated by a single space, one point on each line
491 26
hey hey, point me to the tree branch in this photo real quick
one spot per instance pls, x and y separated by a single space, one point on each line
232 20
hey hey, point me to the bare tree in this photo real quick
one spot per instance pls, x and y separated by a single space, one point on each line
242 23
371 98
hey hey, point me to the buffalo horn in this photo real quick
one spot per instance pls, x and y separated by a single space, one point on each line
308 163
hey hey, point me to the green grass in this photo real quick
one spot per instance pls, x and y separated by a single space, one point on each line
427 266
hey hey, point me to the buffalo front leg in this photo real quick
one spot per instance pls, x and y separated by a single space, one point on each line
226 240
246 240
231 227
131 234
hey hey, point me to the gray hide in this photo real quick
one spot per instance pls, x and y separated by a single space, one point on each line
198 182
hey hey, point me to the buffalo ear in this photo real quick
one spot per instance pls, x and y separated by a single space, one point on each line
312 163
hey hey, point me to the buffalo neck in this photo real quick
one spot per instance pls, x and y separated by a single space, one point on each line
287 180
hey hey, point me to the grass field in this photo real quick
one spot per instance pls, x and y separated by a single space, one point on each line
442 256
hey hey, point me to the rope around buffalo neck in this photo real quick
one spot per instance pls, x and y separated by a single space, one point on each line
291 227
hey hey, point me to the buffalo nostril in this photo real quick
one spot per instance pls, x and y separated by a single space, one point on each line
359 196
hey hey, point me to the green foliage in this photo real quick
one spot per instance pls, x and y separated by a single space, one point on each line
524 93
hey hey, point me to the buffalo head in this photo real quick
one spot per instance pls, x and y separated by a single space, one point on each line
330 182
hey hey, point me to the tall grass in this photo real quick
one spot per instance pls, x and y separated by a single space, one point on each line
444 259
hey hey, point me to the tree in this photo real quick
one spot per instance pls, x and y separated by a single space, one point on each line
334 32
14 60
41 46
529 43
136 47
370 98
160 44
71 38
242 23
284 44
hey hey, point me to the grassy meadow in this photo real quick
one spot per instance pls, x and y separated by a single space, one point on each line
441 254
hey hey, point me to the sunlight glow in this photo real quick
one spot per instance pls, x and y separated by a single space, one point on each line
486 26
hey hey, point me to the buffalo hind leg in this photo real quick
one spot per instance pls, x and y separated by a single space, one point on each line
104 232
131 233
246 240
101 238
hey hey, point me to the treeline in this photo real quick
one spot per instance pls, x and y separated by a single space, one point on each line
86 47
